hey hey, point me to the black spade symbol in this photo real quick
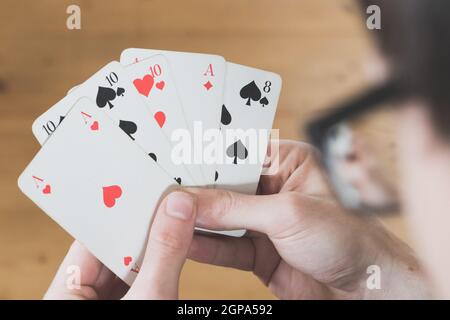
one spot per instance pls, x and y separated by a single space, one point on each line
61 118
225 118
264 102
250 92
105 96
237 150
120 91
216 176
153 156
178 180
128 127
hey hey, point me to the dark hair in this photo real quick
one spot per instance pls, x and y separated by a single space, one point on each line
415 38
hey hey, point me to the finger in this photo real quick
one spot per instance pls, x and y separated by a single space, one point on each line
167 248
224 210
256 254
223 251
118 289
80 274
284 157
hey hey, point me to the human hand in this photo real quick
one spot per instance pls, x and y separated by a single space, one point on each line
303 245
167 248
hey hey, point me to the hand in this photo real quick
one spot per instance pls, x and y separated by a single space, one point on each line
303 245
167 248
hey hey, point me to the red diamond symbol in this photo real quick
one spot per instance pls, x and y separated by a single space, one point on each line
208 85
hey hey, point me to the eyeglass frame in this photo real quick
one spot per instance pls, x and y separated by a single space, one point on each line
375 98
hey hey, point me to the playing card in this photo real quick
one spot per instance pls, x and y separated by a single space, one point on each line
199 80
114 94
250 102
153 79
72 89
99 186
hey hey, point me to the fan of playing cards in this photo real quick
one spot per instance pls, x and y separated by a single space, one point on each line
135 130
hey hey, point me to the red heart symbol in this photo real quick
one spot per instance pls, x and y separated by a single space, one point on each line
47 189
94 126
127 260
160 85
110 194
160 117
144 85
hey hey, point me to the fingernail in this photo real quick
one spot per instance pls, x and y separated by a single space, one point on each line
180 205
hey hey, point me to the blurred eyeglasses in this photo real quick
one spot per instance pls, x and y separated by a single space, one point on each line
357 142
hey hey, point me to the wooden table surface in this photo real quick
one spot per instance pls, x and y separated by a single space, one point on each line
319 47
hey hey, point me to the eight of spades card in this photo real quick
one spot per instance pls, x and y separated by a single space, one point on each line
250 101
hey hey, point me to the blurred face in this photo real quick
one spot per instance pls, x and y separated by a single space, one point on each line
424 164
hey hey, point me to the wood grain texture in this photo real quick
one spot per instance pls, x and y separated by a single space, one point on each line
318 46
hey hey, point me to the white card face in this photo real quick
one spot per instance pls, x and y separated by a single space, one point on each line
114 93
99 186
72 89
199 80
154 81
251 98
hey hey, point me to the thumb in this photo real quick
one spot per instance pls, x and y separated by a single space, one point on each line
167 248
